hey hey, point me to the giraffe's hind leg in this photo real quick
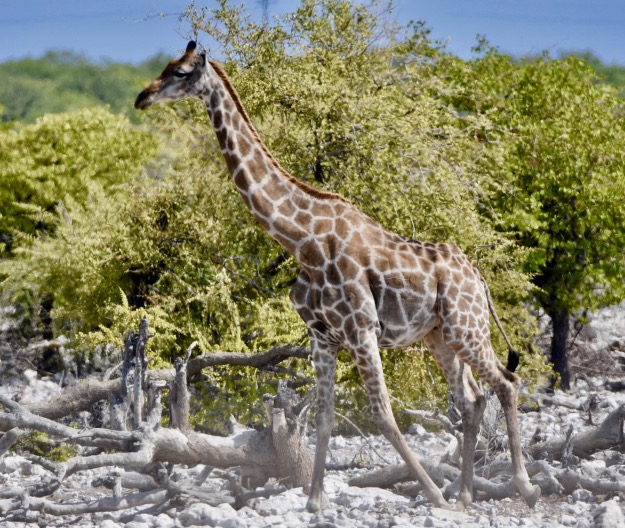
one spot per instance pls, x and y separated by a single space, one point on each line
367 359
506 387
469 399
505 384
464 317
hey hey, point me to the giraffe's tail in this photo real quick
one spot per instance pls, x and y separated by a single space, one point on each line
513 355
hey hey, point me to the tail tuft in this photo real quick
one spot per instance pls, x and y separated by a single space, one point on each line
513 356
513 360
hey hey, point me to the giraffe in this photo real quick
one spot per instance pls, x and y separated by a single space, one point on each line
360 287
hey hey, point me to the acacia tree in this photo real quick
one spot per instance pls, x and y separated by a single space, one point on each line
346 100
352 102
557 142
61 157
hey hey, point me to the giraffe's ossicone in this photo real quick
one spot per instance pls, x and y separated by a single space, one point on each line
361 287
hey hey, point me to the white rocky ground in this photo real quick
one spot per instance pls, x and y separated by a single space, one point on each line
365 507
350 506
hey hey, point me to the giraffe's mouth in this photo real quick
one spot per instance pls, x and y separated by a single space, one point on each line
144 99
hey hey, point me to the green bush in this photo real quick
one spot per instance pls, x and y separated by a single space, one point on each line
62 158
346 100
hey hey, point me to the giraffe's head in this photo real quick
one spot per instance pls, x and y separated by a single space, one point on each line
178 80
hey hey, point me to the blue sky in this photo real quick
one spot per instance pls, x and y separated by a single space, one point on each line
131 30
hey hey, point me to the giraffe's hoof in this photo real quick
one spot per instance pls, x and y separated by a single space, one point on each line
441 503
315 504
465 499
532 498
458 506
312 506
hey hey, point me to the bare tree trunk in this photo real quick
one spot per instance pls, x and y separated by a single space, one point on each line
141 372
179 398
559 355
288 439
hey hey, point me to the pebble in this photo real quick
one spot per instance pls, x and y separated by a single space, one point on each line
609 515
163 521
568 520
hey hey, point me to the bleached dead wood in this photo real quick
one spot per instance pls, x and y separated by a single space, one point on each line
74 399
287 434
140 447
387 476
608 435
179 396
434 419
28 503
252 450
494 481
278 451
551 480
84 394
9 439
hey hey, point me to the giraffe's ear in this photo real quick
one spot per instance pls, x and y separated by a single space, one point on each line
202 59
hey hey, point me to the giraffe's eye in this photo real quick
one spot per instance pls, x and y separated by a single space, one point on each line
181 74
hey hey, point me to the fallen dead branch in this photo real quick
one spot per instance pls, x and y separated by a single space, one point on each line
493 481
608 435
140 445
132 500
552 481
83 395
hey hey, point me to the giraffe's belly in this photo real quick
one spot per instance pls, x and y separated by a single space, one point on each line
405 317
399 316
398 336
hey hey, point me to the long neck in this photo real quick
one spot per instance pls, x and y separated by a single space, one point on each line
277 200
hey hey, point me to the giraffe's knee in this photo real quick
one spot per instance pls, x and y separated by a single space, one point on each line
507 391
324 421
385 422
472 412
469 398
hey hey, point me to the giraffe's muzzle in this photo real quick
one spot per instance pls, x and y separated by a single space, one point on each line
143 100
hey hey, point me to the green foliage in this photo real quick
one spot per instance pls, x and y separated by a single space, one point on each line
557 159
60 158
612 74
61 81
38 444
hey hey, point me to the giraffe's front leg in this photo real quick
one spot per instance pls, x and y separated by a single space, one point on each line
369 364
324 360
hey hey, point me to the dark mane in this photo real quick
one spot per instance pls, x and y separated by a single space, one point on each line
239 105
